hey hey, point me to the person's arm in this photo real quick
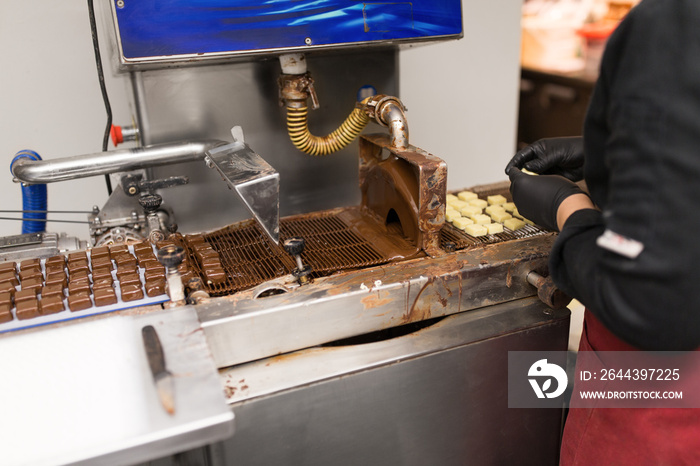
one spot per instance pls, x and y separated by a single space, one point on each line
570 205
642 142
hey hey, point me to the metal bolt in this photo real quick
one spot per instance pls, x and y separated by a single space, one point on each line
132 190
308 41
95 210
120 3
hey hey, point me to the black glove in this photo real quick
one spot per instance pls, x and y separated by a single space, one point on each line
538 197
552 156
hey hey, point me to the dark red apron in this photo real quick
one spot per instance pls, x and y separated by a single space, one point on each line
617 436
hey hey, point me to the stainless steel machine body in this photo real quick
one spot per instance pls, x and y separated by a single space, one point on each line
395 363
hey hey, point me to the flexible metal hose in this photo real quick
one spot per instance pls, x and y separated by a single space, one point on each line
298 128
34 198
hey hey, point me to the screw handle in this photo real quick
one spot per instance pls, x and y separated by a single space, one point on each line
294 246
150 202
171 256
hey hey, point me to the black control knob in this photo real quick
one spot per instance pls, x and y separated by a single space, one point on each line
294 246
150 202
171 256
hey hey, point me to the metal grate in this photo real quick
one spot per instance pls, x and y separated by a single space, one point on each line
249 257
461 240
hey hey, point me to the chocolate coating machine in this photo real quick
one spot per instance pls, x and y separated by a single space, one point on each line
383 341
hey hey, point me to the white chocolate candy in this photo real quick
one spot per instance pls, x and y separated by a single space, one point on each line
496 199
467 195
469 210
509 206
513 223
458 204
501 217
451 197
481 219
462 222
494 208
451 214
494 228
479 203
476 230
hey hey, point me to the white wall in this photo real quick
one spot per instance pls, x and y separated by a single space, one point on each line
461 96
50 100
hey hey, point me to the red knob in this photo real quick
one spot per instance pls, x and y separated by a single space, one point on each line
117 136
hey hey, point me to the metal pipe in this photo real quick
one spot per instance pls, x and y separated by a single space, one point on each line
391 113
103 163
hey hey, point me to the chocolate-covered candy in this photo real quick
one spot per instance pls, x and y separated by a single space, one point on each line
54 268
7 287
105 296
57 278
82 276
23 295
142 247
52 290
100 272
32 284
50 305
102 282
59 260
131 292
102 262
78 288
6 298
9 277
30 273
78 265
215 275
5 313
28 264
129 279
77 256
79 302
155 287
100 251
8 266
118 249
124 260
154 274
28 309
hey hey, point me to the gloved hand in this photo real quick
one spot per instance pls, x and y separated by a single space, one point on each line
552 156
538 197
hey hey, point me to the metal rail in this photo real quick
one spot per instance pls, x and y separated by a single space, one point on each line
103 163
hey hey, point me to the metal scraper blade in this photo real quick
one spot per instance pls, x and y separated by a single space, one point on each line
255 181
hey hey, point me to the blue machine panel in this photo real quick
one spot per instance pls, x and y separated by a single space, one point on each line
152 31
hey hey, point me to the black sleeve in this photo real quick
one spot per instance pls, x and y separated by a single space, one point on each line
642 145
